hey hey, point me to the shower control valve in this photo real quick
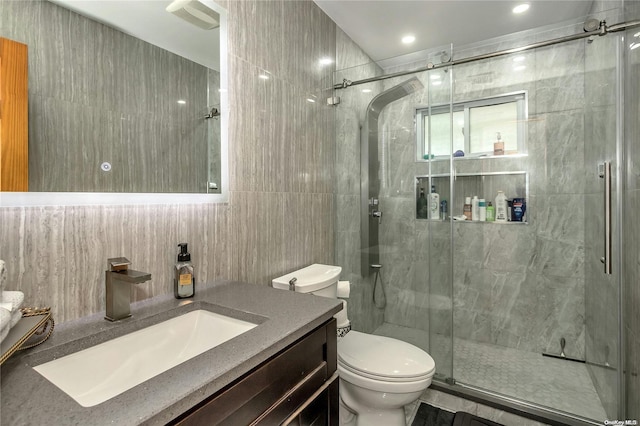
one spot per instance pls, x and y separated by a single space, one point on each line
378 214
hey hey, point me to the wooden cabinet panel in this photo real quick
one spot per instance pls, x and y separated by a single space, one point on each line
14 117
276 389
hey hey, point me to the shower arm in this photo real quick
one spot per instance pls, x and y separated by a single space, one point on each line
601 31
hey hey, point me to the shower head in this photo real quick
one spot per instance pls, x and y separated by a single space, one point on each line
396 92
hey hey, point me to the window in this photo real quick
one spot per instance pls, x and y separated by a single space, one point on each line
475 127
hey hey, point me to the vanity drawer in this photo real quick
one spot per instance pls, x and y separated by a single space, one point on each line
273 391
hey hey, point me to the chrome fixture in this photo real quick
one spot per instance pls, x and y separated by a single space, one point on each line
118 293
604 172
602 30
369 175
215 112
382 302
292 284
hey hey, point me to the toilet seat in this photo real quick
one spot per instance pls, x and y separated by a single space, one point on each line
383 358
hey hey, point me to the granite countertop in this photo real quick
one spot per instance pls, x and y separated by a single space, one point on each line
27 398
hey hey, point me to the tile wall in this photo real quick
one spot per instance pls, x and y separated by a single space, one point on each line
517 286
354 65
280 214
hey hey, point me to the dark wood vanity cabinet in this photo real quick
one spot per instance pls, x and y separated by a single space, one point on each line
298 386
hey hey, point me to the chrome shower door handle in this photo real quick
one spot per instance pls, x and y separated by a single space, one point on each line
604 171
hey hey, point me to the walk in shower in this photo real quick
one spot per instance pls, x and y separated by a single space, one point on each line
522 311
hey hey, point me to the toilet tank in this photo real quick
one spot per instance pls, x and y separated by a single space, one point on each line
318 279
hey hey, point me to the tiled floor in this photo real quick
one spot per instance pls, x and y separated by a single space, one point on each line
555 383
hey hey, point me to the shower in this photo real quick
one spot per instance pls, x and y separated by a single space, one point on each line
486 300
371 215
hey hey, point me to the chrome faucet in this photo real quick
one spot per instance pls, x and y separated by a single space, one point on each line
118 292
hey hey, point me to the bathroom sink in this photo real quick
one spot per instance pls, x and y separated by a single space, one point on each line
98 373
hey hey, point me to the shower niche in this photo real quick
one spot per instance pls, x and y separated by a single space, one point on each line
484 185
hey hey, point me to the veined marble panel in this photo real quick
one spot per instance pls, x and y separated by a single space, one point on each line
57 255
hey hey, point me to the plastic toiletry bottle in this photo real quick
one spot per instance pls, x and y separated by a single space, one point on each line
491 212
421 205
475 209
498 145
443 209
184 281
467 208
482 208
501 207
434 206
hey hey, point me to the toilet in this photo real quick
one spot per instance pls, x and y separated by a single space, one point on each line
378 375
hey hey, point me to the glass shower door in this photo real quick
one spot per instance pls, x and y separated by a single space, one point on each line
602 165
436 124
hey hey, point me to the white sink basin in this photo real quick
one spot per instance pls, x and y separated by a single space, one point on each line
101 372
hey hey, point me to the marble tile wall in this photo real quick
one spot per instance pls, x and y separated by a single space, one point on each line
97 94
631 291
280 216
353 64
498 271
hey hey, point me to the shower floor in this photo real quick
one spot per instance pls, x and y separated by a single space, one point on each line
550 382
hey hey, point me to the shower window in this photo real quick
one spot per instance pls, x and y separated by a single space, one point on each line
475 127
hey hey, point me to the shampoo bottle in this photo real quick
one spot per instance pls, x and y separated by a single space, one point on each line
475 209
501 207
184 282
467 208
434 204
421 205
482 207
491 212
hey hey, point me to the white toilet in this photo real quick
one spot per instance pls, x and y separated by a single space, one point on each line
378 375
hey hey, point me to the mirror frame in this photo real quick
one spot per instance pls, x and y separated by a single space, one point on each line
28 199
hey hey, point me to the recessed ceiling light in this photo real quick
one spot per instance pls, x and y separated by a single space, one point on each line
313 101
436 82
636 35
434 76
408 39
521 8
518 59
519 68
326 61
182 102
366 90
634 46
263 76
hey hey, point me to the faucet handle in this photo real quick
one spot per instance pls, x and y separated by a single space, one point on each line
118 264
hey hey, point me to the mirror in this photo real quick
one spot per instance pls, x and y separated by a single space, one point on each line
132 111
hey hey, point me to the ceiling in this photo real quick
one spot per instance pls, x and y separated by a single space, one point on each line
375 25
378 26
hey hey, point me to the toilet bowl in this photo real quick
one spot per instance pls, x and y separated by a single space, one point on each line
378 375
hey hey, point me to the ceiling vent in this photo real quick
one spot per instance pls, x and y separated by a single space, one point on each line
196 13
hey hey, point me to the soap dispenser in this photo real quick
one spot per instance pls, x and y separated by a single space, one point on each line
184 282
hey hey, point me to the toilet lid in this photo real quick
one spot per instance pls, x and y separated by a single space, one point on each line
383 356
